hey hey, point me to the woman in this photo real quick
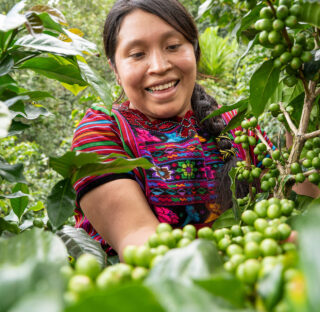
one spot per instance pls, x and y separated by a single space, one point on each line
152 47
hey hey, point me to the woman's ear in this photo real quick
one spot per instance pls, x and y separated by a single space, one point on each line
115 72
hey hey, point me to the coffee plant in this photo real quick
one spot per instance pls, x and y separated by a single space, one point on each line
260 255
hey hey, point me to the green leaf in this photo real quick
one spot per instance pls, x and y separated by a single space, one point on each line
196 261
227 108
310 12
36 95
34 23
310 69
8 226
235 206
270 287
78 242
67 163
247 20
263 83
81 44
47 43
236 120
309 253
49 22
6 65
79 164
19 204
13 19
10 102
32 112
17 127
54 13
204 7
99 85
226 286
53 69
29 272
118 165
61 202
12 173
178 296
123 298
226 219
5 120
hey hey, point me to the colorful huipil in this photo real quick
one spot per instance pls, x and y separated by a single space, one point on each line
180 187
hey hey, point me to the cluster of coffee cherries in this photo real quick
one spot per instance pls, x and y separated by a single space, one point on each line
310 161
253 249
289 52
243 137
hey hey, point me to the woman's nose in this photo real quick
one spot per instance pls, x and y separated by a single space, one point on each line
159 62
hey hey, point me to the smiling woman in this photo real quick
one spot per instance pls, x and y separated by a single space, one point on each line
153 49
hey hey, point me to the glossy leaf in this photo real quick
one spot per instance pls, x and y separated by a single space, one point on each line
204 7
20 203
196 261
225 285
8 226
13 19
270 287
29 272
99 84
34 23
126 298
118 165
178 296
226 219
36 95
32 112
236 120
82 44
17 127
247 20
50 22
6 65
12 173
227 108
310 12
263 83
310 69
10 102
61 202
78 242
53 69
309 253
53 12
77 165
5 120
47 43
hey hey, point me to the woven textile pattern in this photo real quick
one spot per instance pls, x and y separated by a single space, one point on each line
180 187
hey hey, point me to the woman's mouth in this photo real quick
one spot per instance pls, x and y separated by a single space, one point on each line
163 87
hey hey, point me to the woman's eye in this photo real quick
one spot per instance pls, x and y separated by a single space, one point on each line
173 47
137 55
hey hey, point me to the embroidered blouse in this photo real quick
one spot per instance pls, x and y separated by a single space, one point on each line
180 187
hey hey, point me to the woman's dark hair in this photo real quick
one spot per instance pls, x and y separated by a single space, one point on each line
175 14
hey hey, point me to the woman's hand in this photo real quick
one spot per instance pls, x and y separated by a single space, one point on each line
119 212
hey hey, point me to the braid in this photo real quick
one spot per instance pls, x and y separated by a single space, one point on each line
203 105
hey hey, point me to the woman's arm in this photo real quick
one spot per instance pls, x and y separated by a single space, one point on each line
120 213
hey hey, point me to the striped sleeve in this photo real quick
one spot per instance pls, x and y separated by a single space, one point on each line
241 152
98 132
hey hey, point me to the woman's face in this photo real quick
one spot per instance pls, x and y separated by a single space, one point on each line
155 65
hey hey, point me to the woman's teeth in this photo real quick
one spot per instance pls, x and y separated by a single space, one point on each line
162 87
